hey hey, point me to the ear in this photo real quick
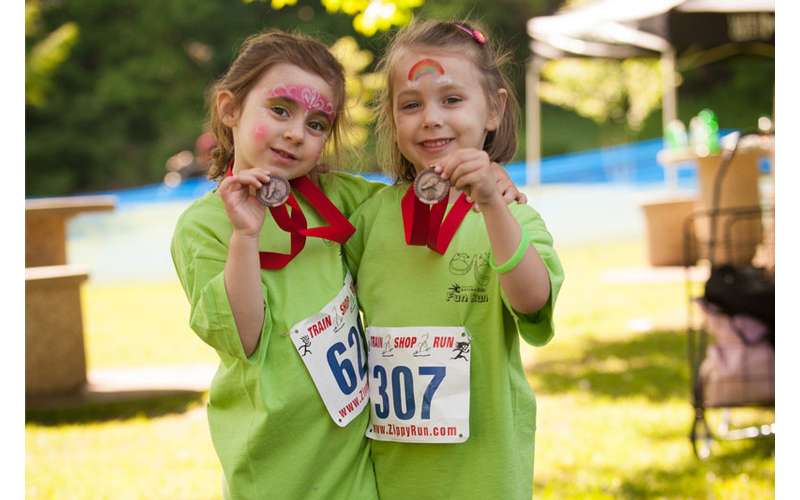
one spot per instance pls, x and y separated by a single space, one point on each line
226 108
498 105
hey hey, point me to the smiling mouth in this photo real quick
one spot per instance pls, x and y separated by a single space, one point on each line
436 143
283 154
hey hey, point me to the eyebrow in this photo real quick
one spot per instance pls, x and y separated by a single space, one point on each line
314 112
449 86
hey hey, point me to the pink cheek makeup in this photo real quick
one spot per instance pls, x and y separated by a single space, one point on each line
307 97
260 133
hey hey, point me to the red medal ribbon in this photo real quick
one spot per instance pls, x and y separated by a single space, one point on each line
338 229
423 224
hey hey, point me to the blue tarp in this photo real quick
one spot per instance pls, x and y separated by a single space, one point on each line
631 164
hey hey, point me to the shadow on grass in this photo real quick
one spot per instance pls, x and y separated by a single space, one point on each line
695 479
95 412
690 478
652 364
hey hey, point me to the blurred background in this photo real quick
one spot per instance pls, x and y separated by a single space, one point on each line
634 112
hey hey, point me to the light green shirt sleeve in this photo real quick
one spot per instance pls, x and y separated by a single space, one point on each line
361 219
199 256
348 191
354 247
537 328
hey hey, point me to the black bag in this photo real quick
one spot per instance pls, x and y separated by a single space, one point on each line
743 290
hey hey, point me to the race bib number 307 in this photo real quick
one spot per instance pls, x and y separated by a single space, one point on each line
419 384
330 345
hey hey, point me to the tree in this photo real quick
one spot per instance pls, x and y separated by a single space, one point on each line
369 16
132 91
45 55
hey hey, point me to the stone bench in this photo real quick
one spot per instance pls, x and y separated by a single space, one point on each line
55 359
46 226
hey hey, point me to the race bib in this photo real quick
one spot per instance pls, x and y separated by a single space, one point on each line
330 345
419 384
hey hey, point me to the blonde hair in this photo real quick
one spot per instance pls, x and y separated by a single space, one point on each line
501 144
257 54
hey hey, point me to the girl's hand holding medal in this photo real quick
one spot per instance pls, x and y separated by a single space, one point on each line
470 170
238 193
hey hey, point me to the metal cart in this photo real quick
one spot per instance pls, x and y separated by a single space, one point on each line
730 346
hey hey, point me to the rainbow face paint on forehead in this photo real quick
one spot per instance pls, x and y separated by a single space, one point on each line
307 97
424 67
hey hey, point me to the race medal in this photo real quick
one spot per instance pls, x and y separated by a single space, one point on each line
274 193
419 384
425 224
430 187
330 345
293 221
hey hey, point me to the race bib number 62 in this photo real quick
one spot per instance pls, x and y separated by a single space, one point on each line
419 384
331 347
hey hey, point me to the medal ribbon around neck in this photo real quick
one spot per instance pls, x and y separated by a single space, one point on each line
338 229
423 223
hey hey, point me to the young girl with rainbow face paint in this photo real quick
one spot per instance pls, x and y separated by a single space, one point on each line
447 292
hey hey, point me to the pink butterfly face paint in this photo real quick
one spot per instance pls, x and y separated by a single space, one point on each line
307 97
424 67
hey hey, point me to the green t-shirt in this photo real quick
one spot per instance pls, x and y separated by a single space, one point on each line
269 426
401 286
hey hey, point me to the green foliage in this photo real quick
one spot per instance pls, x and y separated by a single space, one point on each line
128 92
132 92
603 89
643 82
361 87
47 53
369 16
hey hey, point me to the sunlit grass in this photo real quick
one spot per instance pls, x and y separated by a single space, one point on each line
140 324
166 457
613 401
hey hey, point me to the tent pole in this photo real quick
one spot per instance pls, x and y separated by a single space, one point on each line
533 123
669 108
669 99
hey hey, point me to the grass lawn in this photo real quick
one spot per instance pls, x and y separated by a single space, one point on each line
612 391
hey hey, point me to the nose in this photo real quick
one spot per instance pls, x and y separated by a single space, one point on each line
432 117
294 131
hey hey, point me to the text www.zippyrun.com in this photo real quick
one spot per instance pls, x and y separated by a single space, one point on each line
414 430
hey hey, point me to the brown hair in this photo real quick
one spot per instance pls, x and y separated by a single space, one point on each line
257 54
500 144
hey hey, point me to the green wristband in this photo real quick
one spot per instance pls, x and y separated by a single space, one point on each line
516 258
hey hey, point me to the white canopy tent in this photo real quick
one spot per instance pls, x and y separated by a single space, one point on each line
619 29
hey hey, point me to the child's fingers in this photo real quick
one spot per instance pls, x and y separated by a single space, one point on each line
468 178
475 206
507 190
464 169
451 162
254 177
229 185
510 195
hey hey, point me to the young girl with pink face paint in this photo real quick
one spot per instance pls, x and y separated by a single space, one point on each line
451 413
268 287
